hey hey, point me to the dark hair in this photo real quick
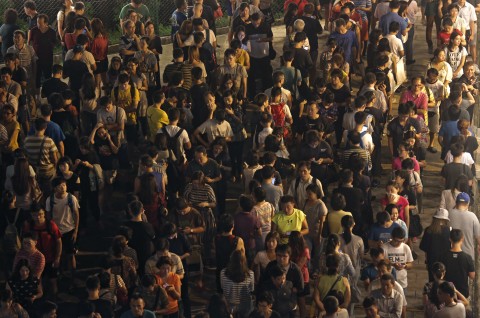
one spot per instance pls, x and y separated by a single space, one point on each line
218 306
237 269
447 288
332 262
10 16
297 244
135 207
347 223
338 201
398 232
225 223
331 304
92 282
332 241
246 203
456 235
164 260
21 263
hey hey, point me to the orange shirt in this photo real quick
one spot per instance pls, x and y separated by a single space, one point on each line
172 280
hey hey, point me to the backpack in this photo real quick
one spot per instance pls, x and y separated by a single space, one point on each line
173 143
11 239
207 45
279 116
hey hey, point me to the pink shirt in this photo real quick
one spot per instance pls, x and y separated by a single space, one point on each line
401 204
397 164
420 101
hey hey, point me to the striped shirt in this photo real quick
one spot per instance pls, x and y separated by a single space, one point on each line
238 295
26 54
197 194
40 156
364 154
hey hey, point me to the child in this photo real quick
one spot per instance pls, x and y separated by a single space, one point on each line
444 34
393 211
440 92
326 56
282 117
424 131
264 128
253 162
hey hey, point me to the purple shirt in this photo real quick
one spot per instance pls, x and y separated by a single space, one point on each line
246 225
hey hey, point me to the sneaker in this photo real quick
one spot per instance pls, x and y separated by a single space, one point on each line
432 149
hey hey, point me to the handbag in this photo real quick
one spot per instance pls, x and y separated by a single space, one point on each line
416 228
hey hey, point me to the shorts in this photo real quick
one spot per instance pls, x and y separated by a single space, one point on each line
431 9
50 271
102 66
474 41
68 245
433 121
305 291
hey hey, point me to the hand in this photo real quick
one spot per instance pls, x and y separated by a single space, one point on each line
229 111
74 236
208 179
319 161
398 266
204 204
56 263
77 162
188 230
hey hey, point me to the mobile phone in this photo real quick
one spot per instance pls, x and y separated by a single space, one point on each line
273 181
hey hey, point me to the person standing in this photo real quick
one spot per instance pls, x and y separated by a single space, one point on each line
142 11
312 29
30 9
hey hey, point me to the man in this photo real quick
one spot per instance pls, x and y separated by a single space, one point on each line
54 83
197 91
301 58
389 301
208 166
447 295
53 129
459 265
298 187
75 68
12 87
178 65
43 40
273 192
113 118
6 97
233 68
206 14
208 33
189 220
371 308
137 305
162 249
247 226
127 97
102 306
27 56
260 35
355 141
467 12
29 252
214 128
347 40
30 9
62 207
312 29
129 41
42 154
452 170
178 16
180 135
19 73
279 81
399 126
87 57
142 11
157 117
399 255
269 159
285 299
49 243
391 17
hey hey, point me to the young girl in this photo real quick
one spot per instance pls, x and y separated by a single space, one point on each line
264 129
456 54
112 74
282 117
392 196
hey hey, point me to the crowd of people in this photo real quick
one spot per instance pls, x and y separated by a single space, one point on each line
307 237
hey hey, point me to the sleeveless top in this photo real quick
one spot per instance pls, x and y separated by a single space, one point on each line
224 246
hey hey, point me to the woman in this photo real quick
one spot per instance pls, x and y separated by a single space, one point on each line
186 29
237 283
122 265
141 83
342 100
65 8
444 69
448 197
392 196
332 281
226 85
155 45
290 17
24 286
241 55
418 97
9 26
242 37
264 211
318 152
12 126
431 302
316 212
194 60
456 54
402 179
301 256
199 194
148 67
264 257
405 152
23 184
471 143
64 170
289 219
150 188
112 74
332 246
88 102
99 49
435 239
9 308
132 15
170 281
234 116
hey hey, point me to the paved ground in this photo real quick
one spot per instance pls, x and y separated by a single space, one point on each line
94 242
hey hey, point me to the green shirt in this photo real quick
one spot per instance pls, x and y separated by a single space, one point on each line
288 223
142 11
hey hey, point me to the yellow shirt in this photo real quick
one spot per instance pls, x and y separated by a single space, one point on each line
288 223
242 58
157 118
125 101
335 221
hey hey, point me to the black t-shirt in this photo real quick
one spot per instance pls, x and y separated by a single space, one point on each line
263 28
66 121
84 171
142 240
323 150
238 22
452 170
342 95
378 121
75 70
19 75
312 29
103 307
293 274
306 123
354 199
53 85
458 265
397 131
199 108
276 175
410 196
420 153
302 61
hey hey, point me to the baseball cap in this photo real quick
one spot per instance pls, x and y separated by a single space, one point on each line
463 197
441 214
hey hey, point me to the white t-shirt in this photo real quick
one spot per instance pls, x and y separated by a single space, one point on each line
396 44
451 312
189 41
63 216
116 116
182 138
213 129
87 58
454 58
466 158
286 95
460 24
402 255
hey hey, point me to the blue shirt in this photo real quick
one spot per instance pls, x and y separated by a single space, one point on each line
380 233
177 19
346 41
146 314
389 18
53 131
448 129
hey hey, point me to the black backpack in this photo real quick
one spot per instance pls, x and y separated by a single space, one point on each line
297 182
173 143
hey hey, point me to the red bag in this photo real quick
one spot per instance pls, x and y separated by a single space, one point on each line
217 14
279 116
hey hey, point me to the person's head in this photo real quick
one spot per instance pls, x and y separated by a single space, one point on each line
10 16
331 305
8 113
370 307
164 265
64 164
271 241
283 253
244 10
383 218
137 303
455 39
225 223
456 149
336 76
128 27
376 254
92 283
398 236
23 269
287 202
200 154
446 292
382 59
264 302
59 185
79 8
394 27
246 203
432 75
438 270
29 8
19 38
277 275
332 262
453 9
135 208
48 309
462 201
338 201
387 283
313 192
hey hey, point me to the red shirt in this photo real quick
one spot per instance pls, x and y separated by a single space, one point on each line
47 239
445 37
